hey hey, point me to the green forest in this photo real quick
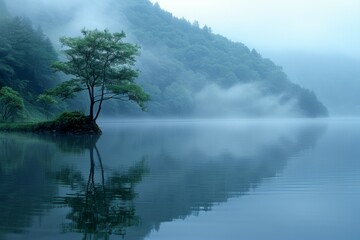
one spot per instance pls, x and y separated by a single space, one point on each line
26 56
177 60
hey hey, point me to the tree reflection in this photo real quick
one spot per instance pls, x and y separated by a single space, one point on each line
100 205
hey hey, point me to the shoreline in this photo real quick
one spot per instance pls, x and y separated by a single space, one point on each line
72 123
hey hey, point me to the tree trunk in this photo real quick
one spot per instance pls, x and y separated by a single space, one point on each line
98 111
91 115
101 99
92 102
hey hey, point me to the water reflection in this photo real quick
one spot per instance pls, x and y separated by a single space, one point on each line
92 188
193 168
23 186
99 208
99 205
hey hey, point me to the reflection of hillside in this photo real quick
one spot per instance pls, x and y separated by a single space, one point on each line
24 188
189 175
98 187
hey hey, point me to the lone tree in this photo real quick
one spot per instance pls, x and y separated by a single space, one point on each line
101 64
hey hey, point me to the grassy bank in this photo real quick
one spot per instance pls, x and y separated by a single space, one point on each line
66 123
18 127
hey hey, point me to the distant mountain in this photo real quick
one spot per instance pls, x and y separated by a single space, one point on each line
187 69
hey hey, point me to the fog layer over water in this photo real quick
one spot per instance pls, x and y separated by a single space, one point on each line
242 100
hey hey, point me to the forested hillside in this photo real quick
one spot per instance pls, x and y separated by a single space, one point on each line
186 69
26 56
189 58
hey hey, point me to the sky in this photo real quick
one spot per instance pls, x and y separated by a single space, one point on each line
279 25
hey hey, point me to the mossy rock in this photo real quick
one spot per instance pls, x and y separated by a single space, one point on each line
71 122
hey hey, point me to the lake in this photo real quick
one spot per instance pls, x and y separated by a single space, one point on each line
204 179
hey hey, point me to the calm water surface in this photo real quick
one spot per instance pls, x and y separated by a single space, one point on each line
185 180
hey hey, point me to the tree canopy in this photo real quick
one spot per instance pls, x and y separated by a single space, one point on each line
102 64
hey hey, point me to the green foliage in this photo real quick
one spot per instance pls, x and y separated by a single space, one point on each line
26 56
64 90
11 104
69 118
25 59
47 103
102 65
46 99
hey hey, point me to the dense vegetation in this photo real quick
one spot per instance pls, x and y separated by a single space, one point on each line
178 60
26 56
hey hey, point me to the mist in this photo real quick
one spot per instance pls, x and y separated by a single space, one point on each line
334 78
242 101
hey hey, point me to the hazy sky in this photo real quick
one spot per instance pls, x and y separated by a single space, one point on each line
321 25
